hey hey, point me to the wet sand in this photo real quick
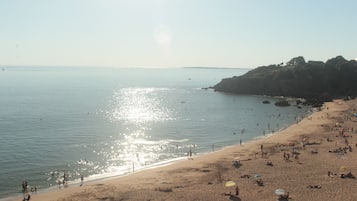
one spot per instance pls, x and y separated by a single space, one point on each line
315 146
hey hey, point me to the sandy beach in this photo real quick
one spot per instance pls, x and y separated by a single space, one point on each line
307 160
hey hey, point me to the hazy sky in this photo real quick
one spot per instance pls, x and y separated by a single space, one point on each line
175 33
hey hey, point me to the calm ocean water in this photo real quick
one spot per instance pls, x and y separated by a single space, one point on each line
100 122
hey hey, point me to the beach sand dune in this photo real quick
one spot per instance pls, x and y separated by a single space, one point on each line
306 160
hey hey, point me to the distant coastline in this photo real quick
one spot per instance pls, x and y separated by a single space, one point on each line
202 67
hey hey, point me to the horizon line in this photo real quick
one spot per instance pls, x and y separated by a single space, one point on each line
4 66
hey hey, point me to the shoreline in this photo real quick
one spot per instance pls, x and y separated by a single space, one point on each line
180 177
101 178
160 164
104 177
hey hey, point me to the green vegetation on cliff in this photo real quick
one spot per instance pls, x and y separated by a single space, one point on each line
314 81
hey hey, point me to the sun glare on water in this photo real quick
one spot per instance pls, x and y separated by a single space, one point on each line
137 109
139 105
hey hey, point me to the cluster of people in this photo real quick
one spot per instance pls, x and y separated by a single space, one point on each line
27 197
236 163
342 175
314 186
284 197
259 182
245 176
64 181
269 163
348 175
231 195
340 150
189 154
286 156
34 189
25 187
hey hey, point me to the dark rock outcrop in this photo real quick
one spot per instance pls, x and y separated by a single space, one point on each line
266 102
282 103
314 81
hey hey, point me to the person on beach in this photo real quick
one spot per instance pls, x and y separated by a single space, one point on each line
237 191
24 186
82 180
27 198
34 189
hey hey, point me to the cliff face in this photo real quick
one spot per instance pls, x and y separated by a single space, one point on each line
315 81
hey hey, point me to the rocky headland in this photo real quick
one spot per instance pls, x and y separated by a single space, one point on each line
314 81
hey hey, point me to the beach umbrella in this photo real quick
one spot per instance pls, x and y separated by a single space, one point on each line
230 183
280 191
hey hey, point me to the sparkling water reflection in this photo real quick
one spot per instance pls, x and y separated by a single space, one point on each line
138 109
139 105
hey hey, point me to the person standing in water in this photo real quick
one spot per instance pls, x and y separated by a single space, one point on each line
82 180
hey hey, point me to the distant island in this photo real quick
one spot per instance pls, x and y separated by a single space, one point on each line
314 81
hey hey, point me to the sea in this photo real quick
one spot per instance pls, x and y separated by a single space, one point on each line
61 123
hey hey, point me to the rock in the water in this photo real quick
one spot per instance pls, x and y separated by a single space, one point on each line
282 103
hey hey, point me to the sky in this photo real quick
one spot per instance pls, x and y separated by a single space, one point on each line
175 33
